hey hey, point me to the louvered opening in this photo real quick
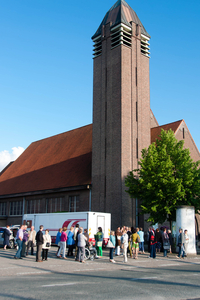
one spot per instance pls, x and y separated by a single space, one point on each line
121 35
97 46
145 45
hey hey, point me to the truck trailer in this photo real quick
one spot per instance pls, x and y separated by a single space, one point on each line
88 220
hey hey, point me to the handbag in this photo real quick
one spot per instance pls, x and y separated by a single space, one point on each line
99 244
47 244
138 239
166 245
110 244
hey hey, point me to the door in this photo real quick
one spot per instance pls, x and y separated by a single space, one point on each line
101 223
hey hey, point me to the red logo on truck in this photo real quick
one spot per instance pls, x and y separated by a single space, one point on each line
73 221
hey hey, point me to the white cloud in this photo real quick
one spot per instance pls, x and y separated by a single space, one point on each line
6 157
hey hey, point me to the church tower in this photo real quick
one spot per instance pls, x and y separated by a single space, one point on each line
121 110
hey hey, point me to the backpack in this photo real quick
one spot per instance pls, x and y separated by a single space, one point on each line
152 237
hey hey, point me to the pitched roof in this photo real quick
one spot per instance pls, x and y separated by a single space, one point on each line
63 160
156 131
119 13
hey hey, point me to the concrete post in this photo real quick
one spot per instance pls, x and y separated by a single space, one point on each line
185 219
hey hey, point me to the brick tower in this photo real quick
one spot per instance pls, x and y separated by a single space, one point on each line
121 110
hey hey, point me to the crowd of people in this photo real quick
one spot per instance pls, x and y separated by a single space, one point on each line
131 241
124 241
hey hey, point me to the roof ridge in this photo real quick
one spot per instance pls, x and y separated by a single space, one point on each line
61 133
168 124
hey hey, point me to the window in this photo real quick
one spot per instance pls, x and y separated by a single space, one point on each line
73 203
97 46
33 206
121 35
136 148
16 208
145 45
54 205
3 207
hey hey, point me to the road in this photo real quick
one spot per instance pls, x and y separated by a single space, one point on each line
160 278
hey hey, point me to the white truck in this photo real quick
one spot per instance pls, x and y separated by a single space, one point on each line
88 220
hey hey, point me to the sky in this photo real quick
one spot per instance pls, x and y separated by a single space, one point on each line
46 66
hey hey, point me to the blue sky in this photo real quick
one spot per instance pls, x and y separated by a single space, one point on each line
46 66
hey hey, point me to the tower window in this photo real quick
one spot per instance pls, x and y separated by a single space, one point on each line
97 46
121 35
145 45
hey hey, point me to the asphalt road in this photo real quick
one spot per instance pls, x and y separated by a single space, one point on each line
160 278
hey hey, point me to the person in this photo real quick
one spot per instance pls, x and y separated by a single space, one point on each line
7 234
129 250
19 239
81 245
124 242
93 250
31 241
152 238
118 235
180 243
148 240
165 239
99 242
87 236
113 241
63 240
186 242
170 240
159 240
141 243
46 244
25 241
135 243
76 233
58 237
70 241
39 240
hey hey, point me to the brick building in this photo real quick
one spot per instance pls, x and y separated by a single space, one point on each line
84 169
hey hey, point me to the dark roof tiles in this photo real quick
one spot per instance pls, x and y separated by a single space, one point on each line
119 13
156 131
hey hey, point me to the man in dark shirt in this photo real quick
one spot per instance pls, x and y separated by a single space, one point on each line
39 241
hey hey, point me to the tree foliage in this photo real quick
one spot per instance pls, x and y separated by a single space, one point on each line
167 178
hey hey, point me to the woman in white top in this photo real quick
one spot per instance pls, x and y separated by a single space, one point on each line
46 244
124 242
186 242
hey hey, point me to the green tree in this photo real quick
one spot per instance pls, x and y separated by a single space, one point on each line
167 178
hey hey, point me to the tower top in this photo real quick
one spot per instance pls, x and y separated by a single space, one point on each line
119 13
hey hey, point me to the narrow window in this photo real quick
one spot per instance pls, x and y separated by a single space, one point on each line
73 203
105 148
136 111
183 133
105 188
105 111
136 76
137 148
